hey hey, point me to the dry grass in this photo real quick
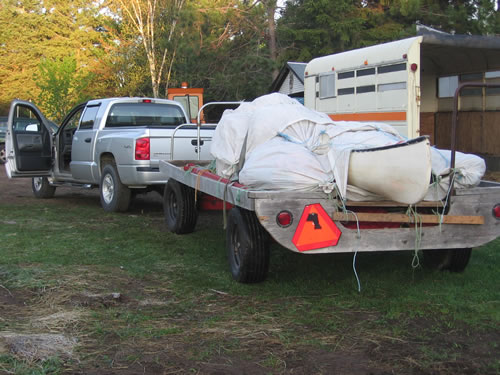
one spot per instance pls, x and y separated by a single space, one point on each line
35 347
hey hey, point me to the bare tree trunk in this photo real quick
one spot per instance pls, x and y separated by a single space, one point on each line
142 15
273 52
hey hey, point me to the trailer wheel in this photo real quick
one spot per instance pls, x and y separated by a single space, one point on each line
42 188
454 260
247 245
115 197
179 207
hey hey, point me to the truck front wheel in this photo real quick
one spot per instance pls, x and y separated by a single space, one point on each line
3 154
42 188
454 260
247 245
179 206
115 197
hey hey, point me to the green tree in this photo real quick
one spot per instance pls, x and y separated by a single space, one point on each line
53 29
224 49
311 28
62 86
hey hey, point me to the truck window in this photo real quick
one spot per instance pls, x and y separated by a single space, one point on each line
88 117
144 114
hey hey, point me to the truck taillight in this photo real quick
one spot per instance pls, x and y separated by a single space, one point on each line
142 149
496 211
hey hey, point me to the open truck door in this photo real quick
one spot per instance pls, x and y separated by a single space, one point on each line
28 141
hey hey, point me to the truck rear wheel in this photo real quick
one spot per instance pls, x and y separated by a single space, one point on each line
115 197
454 260
247 245
179 206
42 188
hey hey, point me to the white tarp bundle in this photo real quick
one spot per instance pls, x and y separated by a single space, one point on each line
258 122
286 146
469 169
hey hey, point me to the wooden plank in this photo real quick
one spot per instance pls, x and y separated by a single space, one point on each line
392 204
427 123
491 134
402 218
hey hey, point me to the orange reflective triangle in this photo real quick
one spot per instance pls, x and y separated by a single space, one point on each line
315 229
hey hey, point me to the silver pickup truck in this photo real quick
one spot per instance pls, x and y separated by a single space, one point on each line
114 144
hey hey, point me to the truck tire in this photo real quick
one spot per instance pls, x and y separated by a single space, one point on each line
247 245
42 188
454 260
3 154
115 197
179 206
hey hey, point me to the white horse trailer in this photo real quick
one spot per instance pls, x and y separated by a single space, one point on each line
410 84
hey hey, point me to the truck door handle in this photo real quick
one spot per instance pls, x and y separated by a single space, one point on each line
88 140
194 142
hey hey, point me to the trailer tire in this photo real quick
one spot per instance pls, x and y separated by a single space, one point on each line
247 245
115 196
454 260
179 206
42 188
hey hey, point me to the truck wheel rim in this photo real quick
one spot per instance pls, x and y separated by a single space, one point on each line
37 183
3 156
108 189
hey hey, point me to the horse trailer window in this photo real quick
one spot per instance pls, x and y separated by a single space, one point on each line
346 91
489 75
365 89
492 90
471 77
345 75
392 86
447 86
327 86
365 72
391 68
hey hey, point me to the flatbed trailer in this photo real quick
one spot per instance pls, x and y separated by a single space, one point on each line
318 223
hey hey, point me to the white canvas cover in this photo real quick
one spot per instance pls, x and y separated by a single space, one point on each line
258 122
469 169
293 168
290 147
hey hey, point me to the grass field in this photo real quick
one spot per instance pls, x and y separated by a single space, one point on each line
87 292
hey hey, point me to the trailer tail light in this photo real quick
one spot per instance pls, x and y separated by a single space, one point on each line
413 67
142 149
284 219
496 211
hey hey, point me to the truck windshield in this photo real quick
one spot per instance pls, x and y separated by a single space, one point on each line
144 114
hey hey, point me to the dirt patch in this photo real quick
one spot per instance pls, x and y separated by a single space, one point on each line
18 190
